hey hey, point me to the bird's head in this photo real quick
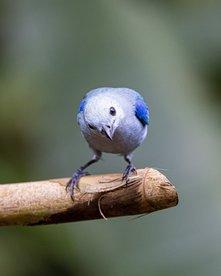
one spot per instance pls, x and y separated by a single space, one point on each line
103 115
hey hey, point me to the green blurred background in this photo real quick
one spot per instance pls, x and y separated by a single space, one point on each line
51 54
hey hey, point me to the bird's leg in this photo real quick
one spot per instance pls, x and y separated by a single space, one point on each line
129 169
74 180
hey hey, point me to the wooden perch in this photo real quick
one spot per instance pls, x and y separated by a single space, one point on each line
47 202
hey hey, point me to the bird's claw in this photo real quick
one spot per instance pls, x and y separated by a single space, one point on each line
74 180
129 169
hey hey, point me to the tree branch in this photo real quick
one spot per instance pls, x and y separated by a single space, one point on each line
47 202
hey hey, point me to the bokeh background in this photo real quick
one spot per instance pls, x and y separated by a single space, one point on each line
51 54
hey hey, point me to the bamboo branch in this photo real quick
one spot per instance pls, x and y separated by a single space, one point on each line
47 202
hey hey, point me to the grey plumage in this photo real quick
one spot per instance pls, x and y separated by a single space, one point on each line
112 120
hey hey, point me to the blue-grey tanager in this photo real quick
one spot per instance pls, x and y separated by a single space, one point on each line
113 120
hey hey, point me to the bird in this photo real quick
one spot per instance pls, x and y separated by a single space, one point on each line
112 120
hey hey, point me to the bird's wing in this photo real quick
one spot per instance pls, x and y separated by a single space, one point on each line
80 110
142 111
82 105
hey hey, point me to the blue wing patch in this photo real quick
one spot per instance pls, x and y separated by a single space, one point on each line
142 111
82 105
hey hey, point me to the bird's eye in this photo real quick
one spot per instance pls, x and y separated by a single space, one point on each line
91 127
112 111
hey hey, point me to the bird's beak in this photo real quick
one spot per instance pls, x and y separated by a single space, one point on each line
108 131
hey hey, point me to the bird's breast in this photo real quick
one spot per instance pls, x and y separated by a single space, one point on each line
125 139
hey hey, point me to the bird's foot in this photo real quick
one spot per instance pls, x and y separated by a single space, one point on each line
74 180
129 169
